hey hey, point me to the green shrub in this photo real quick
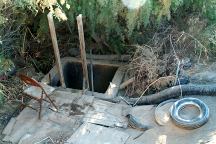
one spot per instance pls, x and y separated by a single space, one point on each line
111 19
11 28
6 65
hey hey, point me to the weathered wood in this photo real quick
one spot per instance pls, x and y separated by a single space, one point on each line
126 83
92 73
83 52
107 114
113 88
55 47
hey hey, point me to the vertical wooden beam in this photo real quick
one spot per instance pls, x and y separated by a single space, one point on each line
83 52
92 73
56 49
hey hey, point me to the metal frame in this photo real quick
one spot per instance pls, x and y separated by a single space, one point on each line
29 81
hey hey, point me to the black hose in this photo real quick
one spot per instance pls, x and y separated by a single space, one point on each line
172 92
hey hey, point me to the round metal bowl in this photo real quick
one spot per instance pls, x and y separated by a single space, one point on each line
162 116
194 122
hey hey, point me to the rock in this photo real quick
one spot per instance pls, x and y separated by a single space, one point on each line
202 74
206 77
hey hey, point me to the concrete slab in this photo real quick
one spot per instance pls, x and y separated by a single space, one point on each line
95 134
104 122
7 130
171 134
51 123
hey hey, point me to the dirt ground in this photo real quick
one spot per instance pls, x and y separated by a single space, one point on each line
171 134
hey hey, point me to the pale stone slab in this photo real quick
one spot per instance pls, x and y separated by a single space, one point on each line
7 130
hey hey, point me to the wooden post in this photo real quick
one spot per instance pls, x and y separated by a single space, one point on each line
55 47
83 52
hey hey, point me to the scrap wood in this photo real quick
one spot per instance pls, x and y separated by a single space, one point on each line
113 88
126 83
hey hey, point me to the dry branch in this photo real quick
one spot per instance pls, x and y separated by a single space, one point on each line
126 83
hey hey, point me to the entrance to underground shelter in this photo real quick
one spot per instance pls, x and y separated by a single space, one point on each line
73 75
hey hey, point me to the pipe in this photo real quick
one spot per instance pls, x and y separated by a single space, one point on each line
172 92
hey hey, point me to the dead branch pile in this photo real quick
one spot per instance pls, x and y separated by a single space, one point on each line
146 67
154 65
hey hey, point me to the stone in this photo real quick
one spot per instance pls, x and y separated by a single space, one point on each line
7 130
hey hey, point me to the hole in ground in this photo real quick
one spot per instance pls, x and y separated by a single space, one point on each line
103 75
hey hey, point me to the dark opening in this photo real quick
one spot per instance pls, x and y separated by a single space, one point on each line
73 75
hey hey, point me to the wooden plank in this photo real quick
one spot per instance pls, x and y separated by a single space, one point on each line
126 83
83 52
55 47
113 88
95 134
107 114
